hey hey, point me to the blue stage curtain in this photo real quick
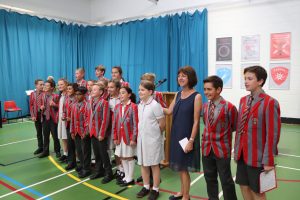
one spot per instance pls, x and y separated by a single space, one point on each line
32 48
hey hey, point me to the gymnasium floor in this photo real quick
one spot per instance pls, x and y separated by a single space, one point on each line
23 176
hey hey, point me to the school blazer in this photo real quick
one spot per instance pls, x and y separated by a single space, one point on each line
218 136
78 117
125 128
53 109
33 107
258 141
97 118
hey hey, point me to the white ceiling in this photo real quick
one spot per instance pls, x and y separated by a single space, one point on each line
110 11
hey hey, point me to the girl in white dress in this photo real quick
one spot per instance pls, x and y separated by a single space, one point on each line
62 126
125 131
150 149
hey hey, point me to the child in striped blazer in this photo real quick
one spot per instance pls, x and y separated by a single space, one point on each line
125 131
257 133
219 117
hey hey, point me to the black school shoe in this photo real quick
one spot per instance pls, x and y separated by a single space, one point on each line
38 151
173 197
125 183
142 193
58 154
153 195
84 174
96 175
107 179
43 155
63 158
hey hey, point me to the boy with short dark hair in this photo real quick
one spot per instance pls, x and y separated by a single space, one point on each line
257 135
219 117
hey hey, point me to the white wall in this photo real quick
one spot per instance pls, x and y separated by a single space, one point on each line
67 10
263 20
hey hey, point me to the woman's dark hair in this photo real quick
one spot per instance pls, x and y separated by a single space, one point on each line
191 74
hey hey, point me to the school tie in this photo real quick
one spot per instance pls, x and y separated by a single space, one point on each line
245 115
211 112
39 100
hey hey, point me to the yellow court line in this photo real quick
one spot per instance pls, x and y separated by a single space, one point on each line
85 183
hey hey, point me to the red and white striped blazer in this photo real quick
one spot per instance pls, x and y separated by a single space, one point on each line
78 118
82 82
97 117
259 138
218 136
125 127
33 103
53 109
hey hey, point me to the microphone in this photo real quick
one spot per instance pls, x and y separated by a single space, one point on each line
160 82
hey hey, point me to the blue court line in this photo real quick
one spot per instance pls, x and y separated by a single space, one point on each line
22 186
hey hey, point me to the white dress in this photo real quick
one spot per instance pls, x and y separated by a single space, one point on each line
150 143
61 126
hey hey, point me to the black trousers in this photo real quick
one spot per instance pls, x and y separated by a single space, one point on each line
83 149
213 166
50 126
101 156
71 149
39 131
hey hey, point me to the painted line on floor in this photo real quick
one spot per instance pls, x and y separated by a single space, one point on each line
35 184
290 155
21 185
86 184
20 141
14 189
287 180
197 179
291 168
15 162
63 189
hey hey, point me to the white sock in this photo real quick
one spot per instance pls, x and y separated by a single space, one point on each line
155 188
126 168
147 187
66 153
131 165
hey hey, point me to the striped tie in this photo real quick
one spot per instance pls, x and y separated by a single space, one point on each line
211 113
245 115
39 100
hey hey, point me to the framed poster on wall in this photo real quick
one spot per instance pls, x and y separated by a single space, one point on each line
224 71
224 49
280 46
250 48
279 76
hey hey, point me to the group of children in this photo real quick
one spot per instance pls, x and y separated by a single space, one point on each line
101 118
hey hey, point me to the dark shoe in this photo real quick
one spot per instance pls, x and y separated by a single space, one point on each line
125 183
119 182
142 193
121 176
63 158
38 151
43 155
69 167
139 179
58 155
173 197
78 168
153 195
107 179
83 174
116 174
96 175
